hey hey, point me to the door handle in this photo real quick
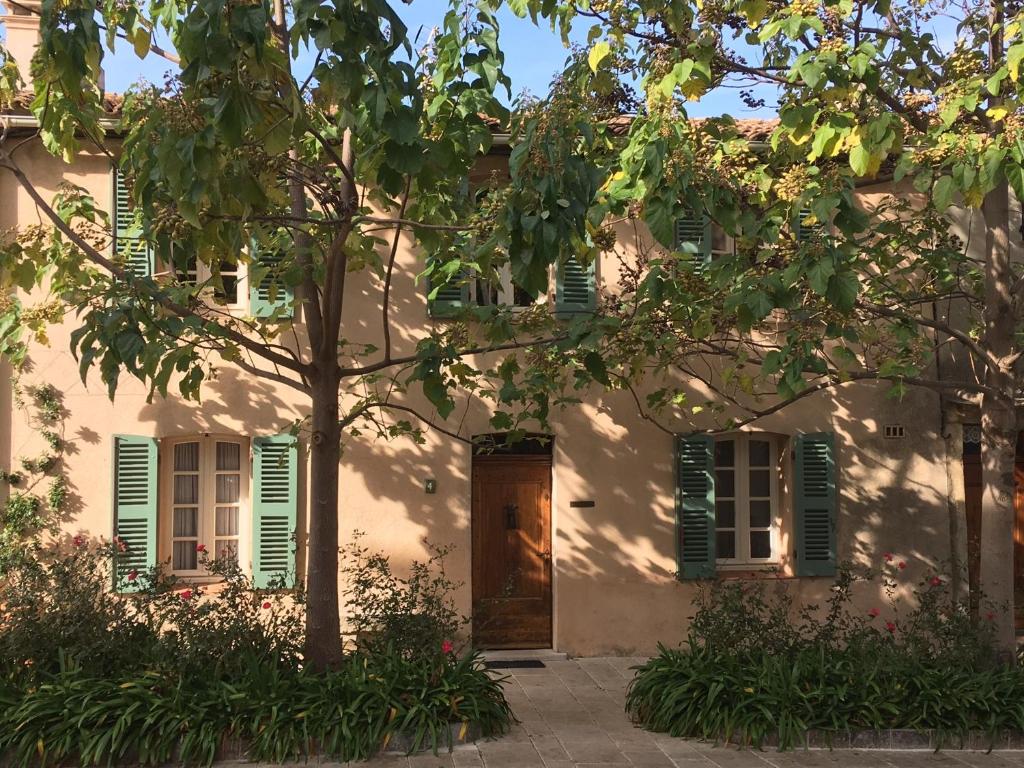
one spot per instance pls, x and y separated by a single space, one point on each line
511 517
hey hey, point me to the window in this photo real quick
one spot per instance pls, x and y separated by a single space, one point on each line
746 500
174 494
701 239
228 283
504 292
728 511
206 500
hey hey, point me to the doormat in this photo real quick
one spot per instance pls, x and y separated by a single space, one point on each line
515 664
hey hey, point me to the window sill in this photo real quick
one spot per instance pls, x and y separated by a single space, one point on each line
768 573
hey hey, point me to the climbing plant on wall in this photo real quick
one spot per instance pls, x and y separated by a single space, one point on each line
37 491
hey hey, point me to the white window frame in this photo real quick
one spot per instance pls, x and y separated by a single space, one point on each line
506 291
203 274
741 468
730 242
207 518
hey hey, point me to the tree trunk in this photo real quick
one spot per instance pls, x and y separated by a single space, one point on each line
323 620
999 425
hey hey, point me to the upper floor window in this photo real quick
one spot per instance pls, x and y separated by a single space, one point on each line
503 292
228 283
701 239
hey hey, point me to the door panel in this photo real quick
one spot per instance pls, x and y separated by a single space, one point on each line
512 552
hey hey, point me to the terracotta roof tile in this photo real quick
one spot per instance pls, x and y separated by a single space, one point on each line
751 129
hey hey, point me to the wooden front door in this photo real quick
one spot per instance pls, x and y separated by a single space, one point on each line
512 551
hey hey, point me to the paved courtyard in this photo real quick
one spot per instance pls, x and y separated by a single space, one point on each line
571 714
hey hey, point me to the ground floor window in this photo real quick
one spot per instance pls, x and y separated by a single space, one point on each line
729 513
746 499
206 502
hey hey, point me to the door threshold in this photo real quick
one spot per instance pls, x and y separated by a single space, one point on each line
532 654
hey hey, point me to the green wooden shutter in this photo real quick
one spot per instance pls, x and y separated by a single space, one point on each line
269 295
693 237
575 287
274 510
130 247
806 232
135 507
695 506
449 299
815 504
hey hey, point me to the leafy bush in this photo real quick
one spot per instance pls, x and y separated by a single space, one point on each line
174 672
413 616
279 714
757 666
59 609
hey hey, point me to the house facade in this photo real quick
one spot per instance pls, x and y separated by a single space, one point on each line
590 539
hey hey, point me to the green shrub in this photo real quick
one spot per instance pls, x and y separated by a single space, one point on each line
174 672
414 615
757 666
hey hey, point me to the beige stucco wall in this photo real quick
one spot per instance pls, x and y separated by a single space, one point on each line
614 564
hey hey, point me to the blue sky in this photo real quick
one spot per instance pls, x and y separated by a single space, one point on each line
533 55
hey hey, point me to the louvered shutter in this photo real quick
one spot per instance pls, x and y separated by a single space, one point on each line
575 289
808 231
815 504
268 294
275 498
449 299
130 247
135 507
695 506
693 237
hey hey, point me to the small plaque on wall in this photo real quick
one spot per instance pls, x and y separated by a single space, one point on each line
581 504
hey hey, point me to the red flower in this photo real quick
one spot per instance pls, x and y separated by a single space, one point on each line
990 616
186 595
200 547
901 565
873 613
890 626
935 581
78 541
266 606
888 557
447 647
133 575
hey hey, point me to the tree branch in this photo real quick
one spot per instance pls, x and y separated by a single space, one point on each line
149 289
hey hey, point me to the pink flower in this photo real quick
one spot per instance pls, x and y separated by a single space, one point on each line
78 541
890 626
901 565
935 581
122 546
447 647
888 557
186 595
873 613
133 575
200 547
266 606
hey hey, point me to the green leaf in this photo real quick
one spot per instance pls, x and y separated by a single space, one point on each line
942 193
141 41
597 54
595 366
